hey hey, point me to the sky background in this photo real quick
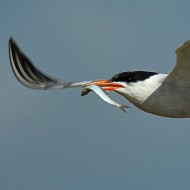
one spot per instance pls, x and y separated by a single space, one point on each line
56 140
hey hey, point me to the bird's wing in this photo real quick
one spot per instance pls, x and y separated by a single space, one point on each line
30 76
181 72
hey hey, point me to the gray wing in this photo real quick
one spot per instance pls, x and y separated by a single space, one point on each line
30 76
181 72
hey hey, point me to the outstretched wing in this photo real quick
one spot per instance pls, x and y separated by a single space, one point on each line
181 72
30 76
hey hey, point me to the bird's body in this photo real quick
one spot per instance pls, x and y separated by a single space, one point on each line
160 98
166 95
169 100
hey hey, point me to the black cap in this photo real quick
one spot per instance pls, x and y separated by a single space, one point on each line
133 76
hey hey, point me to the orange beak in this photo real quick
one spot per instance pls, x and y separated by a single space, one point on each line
105 85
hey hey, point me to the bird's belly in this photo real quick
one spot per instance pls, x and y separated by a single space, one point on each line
168 101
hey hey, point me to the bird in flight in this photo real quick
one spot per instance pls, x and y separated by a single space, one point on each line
166 95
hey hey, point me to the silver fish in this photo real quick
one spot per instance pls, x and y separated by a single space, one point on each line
98 90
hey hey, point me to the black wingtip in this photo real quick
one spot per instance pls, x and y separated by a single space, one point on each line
13 45
12 42
26 72
11 39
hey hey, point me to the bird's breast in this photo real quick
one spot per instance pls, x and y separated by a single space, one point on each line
169 100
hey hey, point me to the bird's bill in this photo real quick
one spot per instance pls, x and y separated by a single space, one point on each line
105 85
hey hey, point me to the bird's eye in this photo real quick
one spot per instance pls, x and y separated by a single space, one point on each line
129 79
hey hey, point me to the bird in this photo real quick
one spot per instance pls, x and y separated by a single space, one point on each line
165 95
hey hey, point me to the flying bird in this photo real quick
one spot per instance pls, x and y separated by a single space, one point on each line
166 95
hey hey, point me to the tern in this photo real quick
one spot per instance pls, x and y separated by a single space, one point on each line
166 95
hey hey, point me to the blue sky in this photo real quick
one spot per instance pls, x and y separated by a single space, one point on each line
60 140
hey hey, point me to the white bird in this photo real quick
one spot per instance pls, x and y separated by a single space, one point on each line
166 95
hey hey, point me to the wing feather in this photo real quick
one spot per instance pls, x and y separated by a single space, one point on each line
181 72
32 77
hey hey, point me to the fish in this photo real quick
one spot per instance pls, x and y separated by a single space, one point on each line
100 92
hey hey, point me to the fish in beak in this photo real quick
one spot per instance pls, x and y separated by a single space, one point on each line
106 85
100 92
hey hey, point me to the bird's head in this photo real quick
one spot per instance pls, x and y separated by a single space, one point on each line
136 86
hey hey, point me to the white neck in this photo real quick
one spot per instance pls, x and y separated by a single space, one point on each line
138 92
